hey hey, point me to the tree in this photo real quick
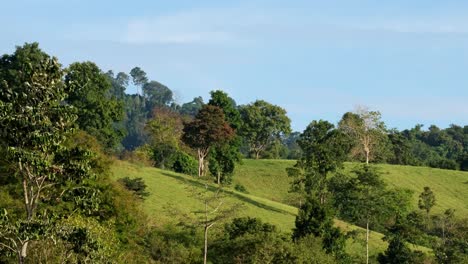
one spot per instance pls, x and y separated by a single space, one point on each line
157 95
138 77
192 108
364 199
89 92
262 123
223 157
366 128
34 124
207 129
165 132
426 200
324 149
316 219
398 251
214 211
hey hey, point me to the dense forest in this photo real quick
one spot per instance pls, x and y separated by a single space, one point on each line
62 128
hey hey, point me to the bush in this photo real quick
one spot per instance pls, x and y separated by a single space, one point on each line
136 185
184 163
240 188
443 164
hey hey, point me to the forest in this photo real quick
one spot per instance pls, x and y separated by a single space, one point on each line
74 143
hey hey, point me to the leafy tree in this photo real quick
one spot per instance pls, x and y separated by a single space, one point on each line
192 108
34 124
157 95
223 157
119 84
324 149
426 200
316 219
364 199
165 132
398 251
262 123
138 77
207 129
88 91
223 101
366 128
452 247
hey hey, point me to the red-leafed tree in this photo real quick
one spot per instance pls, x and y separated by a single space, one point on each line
207 129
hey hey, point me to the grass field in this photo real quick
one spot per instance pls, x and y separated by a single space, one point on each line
172 195
268 179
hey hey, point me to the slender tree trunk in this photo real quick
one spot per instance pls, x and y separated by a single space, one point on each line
367 157
257 154
219 179
367 242
206 245
201 162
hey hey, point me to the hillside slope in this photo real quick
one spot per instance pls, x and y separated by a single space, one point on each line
173 197
268 179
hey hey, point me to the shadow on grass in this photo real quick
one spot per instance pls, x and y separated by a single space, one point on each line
241 197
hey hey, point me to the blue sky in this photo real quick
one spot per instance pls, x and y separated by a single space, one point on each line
317 59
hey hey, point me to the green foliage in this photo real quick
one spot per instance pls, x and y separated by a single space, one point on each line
223 101
247 225
208 129
157 95
192 108
312 219
324 149
426 200
89 92
240 188
136 185
262 122
174 244
183 163
367 131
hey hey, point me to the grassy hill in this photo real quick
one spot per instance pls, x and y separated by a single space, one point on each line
268 179
172 195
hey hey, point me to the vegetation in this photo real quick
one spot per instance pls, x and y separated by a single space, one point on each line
65 197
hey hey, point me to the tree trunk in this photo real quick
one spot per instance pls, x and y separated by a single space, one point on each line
367 242
201 163
219 179
206 245
257 154
367 157
22 253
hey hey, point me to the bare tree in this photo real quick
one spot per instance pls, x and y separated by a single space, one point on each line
366 128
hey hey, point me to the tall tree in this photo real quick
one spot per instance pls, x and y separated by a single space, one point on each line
366 128
139 78
262 123
365 200
207 129
34 124
223 157
324 149
89 92
157 95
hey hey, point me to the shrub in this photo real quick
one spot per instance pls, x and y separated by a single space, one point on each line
184 163
241 188
136 185
443 164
